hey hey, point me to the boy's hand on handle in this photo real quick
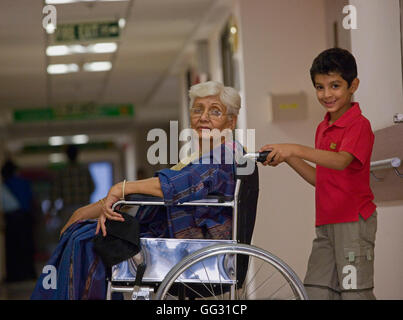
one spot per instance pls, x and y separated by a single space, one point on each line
279 153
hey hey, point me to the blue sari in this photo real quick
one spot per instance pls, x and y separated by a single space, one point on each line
81 273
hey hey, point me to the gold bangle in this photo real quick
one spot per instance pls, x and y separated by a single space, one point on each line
102 203
123 190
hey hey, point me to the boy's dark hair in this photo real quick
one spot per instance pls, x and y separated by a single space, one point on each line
335 60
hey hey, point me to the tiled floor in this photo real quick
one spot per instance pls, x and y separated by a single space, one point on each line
16 290
20 290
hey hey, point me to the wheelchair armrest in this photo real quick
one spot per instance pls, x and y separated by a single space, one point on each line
142 197
220 198
148 198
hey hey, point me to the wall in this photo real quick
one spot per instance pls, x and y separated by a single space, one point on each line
334 16
279 41
376 46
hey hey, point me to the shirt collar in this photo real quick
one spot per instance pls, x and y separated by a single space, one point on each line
347 117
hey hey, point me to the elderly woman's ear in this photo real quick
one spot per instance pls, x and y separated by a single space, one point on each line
233 120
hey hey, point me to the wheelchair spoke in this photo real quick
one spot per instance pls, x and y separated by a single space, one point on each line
174 298
204 285
268 277
263 283
274 294
211 287
242 294
244 291
204 298
219 277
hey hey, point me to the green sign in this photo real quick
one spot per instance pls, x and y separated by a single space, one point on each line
86 111
86 31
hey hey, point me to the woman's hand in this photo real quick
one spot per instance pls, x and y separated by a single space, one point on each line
114 195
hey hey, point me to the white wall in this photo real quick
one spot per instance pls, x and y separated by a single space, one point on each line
376 46
279 40
334 14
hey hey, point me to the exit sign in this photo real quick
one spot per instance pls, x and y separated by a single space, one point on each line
87 111
86 31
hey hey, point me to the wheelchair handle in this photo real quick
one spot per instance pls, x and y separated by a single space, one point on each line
257 156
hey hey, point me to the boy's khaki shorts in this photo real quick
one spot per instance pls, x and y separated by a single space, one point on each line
342 257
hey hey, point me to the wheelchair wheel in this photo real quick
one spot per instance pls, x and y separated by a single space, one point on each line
263 277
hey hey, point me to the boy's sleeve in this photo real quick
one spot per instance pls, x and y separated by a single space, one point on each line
358 141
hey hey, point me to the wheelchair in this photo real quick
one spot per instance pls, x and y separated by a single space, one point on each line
171 269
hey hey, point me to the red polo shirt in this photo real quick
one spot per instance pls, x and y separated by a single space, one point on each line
343 195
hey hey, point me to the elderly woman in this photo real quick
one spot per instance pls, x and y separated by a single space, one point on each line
212 106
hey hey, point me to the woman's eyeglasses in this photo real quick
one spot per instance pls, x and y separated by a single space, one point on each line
213 113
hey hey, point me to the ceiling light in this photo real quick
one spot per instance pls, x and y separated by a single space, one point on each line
73 1
102 47
122 23
77 48
63 50
80 139
56 141
97 66
62 68
50 28
57 50
56 157
59 1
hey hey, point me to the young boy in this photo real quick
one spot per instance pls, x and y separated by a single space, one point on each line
341 265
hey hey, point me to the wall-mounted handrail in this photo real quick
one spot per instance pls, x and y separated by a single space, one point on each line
386 164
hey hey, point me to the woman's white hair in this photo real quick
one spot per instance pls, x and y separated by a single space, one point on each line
228 95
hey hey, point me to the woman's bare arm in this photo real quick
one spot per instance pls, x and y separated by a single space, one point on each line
91 211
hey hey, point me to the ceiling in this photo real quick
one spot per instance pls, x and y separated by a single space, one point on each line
151 47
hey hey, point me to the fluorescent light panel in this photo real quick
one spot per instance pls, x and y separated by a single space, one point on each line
80 139
56 157
76 139
75 1
97 66
56 141
62 68
63 50
50 28
122 23
72 67
105 47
